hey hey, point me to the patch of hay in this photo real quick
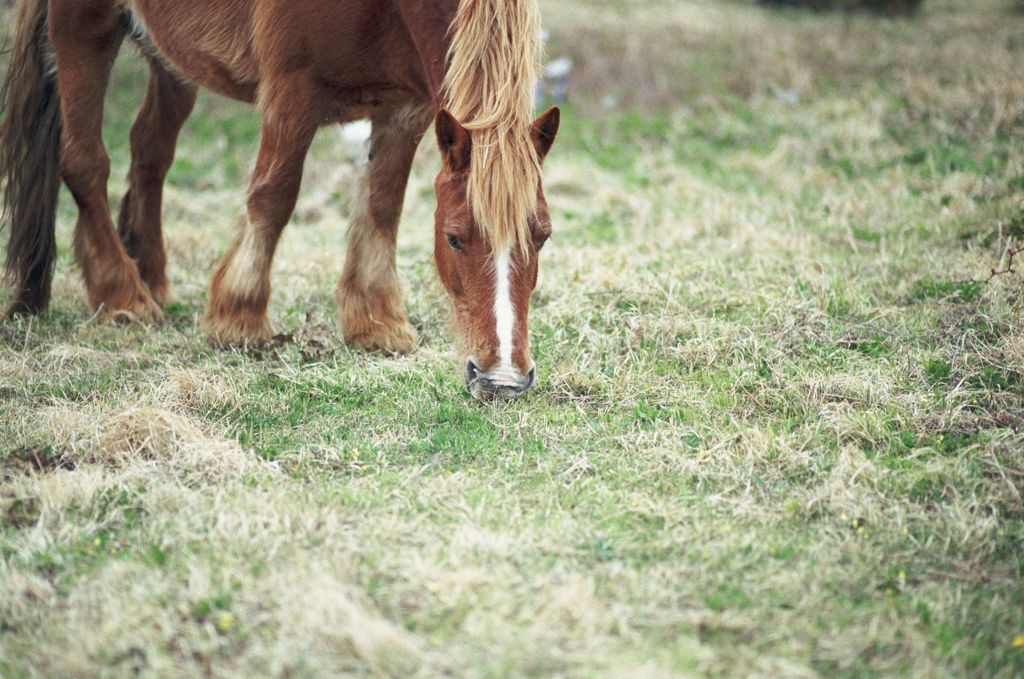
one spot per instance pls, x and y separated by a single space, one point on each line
145 434
191 388
141 439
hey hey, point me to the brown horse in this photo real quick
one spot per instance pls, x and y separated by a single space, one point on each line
470 66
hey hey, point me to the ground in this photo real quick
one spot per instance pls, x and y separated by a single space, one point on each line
777 429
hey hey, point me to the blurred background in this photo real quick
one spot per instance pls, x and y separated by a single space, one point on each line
779 417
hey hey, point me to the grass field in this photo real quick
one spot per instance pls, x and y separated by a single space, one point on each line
777 430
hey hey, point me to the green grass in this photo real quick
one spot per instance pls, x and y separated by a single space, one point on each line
777 429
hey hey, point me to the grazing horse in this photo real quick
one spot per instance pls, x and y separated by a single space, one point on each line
469 65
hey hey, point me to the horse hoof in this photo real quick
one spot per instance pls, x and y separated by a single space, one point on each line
225 333
161 294
394 341
144 311
21 308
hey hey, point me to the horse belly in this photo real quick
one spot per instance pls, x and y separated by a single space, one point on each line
206 42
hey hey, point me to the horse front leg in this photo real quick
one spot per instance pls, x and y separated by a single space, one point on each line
369 296
154 137
240 290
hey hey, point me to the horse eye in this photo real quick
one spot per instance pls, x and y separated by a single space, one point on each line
454 242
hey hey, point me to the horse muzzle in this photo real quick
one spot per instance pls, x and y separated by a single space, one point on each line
497 385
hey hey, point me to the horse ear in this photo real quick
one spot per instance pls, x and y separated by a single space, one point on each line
453 140
544 130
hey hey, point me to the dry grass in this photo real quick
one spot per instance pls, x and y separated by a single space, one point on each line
778 431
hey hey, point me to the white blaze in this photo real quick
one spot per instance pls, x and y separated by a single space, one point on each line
504 315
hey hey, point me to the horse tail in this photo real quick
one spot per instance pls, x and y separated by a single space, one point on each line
30 159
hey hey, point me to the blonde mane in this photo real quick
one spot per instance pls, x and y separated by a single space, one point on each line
493 65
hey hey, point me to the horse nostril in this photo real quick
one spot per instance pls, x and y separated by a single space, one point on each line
472 371
525 385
